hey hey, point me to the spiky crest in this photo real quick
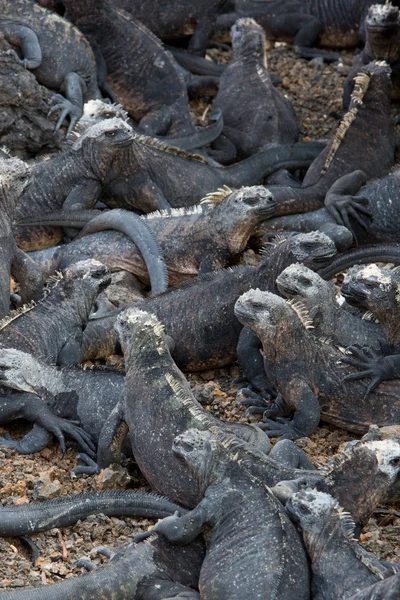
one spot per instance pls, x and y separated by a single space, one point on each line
217 197
189 402
302 312
151 142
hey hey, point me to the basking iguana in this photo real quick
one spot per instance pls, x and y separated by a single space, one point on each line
332 23
308 373
207 339
255 114
363 142
382 42
340 566
14 178
56 51
330 321
52 329
220 225
252 548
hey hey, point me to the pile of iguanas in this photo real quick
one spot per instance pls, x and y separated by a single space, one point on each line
126 229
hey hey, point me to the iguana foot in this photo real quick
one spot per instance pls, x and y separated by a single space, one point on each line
68 109
344 206
281 428
22 61
107 552
90 467
255 403
371 363
310 53
58 427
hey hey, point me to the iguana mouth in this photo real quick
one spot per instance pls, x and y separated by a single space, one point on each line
286 290
245 313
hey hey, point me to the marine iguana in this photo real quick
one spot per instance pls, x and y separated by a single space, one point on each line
159 405
368 119
72 179
203 238
236 506
14 177
52 329
151 88
213 335
151 570
382 28
255 113
308 373
340 566
388 589
56 51
339 326
332 23
25 127
376 290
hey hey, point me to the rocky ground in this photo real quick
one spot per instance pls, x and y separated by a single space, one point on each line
315 90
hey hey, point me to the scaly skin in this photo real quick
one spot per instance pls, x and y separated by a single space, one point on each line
70 69
209 236
151 373
14 178
340 567
184 309
367 125
309 375
236 506
52 330
255 113
153 570
72 179
382 28
332 23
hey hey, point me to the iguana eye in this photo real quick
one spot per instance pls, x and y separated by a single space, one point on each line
110 133
395 462
304 509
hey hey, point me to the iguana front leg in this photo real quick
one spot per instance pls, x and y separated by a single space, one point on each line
372 363
28 274
81 197
26 39
212 262
342 202
181 529
299 395
74 89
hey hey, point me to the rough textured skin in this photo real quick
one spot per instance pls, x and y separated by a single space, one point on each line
152 570
202 239
343 328
333 23
185 315
364 140
52 329
70 70
151 88
388 589
25 127
382 29
14 177
149 176
55 396
340 566
160 405
308 373
235 505
72 179
377 290
255 113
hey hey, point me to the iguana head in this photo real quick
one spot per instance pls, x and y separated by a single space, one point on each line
101 142
300 281
91 269
194 447
320 519
97 110
248 38
314 249
19 370
236 213
14 178
139 331
270 316
382 30
372 288
364 475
